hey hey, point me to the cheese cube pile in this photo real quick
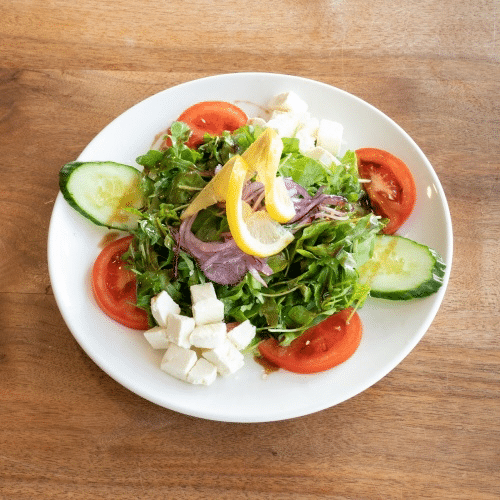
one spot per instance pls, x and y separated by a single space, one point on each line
318 139
197 348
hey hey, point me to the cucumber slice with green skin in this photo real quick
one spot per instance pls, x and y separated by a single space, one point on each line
101 191
401 269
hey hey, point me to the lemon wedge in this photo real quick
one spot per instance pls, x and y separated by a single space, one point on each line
256 233
263 156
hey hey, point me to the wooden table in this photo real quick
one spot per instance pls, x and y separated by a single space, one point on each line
429 429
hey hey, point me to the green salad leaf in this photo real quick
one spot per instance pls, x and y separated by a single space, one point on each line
338 179
318 277
314 277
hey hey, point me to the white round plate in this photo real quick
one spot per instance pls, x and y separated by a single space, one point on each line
391 329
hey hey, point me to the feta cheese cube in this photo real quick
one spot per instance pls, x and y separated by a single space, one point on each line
288 101
226 358
308 124
242 334
161 306
306 140
202 292
285 124
208 311
322 155
258 122
330 136
208 336
178 361
179 328
157 337
203 372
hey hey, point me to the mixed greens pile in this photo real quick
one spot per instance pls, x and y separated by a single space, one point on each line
312 278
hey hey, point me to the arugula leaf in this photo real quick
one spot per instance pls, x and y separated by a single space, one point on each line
182 187
210 224
338 179
217 150
344 178
314 277
303 170
320 279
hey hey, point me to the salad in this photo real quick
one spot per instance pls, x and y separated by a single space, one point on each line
261 225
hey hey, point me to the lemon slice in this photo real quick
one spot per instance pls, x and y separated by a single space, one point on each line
256 233
213 192
263 156
278 201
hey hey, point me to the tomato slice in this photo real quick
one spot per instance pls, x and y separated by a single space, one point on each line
211 117
320 348
391 189
114 286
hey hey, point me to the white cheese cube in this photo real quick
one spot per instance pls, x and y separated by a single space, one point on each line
288 101
161 306
322 155
306 140
157 337
257 122
208 311
208 336
178 361
202 292
179 328
285 124
330 136
203 372
308 124
242 334
226 358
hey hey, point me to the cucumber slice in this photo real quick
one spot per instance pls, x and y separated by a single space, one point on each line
101 191
401 269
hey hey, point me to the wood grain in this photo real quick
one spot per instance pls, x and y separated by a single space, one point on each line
429 429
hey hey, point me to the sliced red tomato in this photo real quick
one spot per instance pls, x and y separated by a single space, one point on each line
211 117
320 348
114 286
391 189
